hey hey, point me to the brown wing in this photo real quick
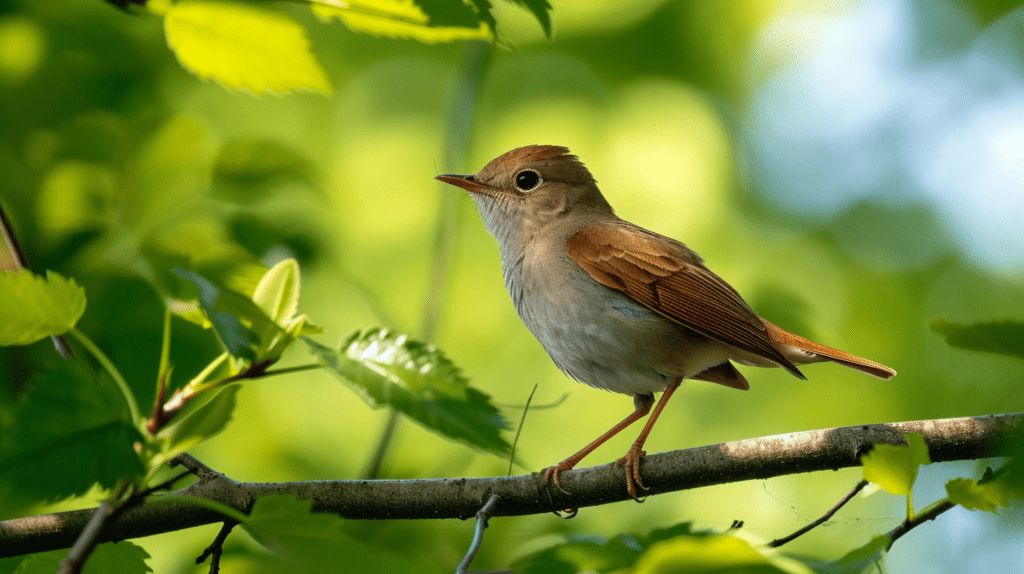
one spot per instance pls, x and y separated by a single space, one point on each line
668 278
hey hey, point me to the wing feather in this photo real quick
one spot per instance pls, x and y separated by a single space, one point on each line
665 276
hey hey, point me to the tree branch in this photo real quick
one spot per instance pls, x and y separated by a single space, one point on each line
759 458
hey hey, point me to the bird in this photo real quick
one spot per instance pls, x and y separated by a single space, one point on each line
616 306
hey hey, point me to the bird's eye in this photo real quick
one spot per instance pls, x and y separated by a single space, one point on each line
527 180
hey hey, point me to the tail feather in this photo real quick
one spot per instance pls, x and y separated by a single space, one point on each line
800 350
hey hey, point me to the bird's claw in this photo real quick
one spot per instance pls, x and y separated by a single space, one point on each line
554 474
632 461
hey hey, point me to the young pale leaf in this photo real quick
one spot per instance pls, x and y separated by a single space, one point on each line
277 293
203 423
244 328
35 307
69 434
403 19
1002 337
302 541
387 368
243 47
987 495
894 467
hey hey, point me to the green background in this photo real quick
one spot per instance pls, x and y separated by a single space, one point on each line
109 149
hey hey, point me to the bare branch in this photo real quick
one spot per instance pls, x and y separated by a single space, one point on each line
216 548
482 517
759 458
842 502
929 514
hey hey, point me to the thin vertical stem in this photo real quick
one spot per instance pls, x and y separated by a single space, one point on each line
460 121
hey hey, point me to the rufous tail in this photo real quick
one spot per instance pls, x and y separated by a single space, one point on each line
801 351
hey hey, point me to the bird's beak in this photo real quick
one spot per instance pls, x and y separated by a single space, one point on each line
466 182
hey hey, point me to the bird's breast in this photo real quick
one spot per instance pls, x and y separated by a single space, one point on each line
597 335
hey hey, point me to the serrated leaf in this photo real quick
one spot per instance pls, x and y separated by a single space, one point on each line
35 307
398 19
389 369
69 434
121 558
303 541
277 293
203 423
243 327
540 10
1000 337
894 467
243 47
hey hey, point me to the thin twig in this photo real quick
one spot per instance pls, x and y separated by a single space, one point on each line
515 441
216 548
460 121
482 516
373 467
780 541
90 536
929 514
194 466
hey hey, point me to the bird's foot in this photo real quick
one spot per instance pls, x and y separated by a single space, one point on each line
632 462
554 473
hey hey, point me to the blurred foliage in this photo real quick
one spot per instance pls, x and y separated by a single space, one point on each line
118 167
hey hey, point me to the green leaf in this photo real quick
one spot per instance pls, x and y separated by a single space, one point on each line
399 19
990 494
203 423
34 307
277 293
895 467
302 541
69 434
1000 337
110 558
243 47
720 554
859 560
540 10
449 13
241 325
387 368
581 554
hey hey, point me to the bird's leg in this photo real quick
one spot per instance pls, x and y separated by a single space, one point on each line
636 452
642 405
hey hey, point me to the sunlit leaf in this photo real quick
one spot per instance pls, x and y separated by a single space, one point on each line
389 369
69 434
1001 337
202 423
988 494
302 541
894 467
243 46
35 307
398 19
277 293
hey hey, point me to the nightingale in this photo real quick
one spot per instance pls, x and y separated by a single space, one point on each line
616 306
